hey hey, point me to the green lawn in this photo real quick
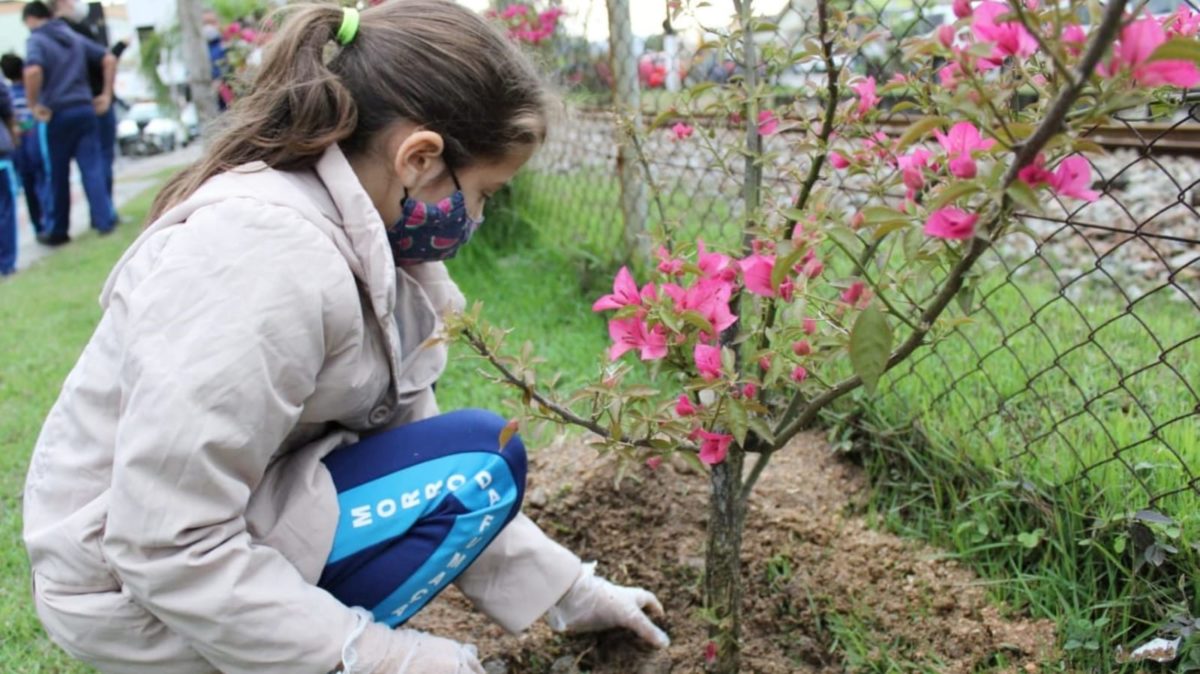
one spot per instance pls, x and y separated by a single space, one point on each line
49 313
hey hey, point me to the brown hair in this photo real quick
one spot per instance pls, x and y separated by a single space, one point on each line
429 62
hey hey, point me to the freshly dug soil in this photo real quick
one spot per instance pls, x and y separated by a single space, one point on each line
814 573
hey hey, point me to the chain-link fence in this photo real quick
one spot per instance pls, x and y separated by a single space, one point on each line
1074 354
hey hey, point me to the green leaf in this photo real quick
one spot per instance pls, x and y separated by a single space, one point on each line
661 118
952 193
888 227
783 266
738 420
1178 49
1020 192
762 430
917 130
699 321
874 214
1086 146
1030 539
847 238
965 296
795 214
870 346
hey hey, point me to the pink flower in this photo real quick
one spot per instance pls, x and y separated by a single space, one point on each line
1073 178
801 348
1009 38
787 289
715 446
764 363
708 361
667 264
710 652
858 220
963 137
855 293
714 265
951 223
682 131
1184 23
750 390
1035 173
813 267
1074 37
867 97
654 462
912 166
631 333
949 75
709 297
809 325
963 167
799 374
514 10
768 123
684 406
756 272
962 8
838 160
1138 42
625 293
946 33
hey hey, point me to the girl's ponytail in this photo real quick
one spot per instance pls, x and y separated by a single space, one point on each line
428 62
295 109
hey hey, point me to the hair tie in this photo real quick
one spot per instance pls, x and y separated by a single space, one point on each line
349 27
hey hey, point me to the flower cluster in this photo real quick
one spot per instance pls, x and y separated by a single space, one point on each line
526 24
680 319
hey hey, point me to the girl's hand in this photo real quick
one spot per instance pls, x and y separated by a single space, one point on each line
594 604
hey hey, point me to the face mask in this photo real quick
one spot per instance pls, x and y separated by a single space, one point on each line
431 231
210 33
79 11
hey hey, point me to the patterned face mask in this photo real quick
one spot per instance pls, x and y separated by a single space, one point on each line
431 231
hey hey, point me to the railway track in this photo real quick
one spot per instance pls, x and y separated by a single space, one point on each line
1167 138
1179 138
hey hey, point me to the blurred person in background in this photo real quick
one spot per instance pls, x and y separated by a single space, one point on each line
8 184
57 89
28 159
102 82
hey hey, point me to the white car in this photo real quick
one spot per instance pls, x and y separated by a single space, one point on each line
147 129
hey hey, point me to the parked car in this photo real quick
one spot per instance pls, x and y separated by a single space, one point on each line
148 129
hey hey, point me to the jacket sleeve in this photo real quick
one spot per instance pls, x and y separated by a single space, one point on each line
520 575
223 340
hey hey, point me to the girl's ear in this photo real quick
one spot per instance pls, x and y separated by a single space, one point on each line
418 160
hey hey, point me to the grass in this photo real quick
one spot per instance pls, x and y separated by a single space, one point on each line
49 313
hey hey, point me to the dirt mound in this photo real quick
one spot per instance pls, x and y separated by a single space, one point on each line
823 590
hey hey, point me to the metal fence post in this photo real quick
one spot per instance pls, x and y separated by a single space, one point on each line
627 105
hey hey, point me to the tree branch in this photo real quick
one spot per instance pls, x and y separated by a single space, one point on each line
565 415
1025 152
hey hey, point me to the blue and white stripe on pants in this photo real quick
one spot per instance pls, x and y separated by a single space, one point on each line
417 505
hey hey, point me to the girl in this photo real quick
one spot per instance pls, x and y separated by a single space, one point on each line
249 445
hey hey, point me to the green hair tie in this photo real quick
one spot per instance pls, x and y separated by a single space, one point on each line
349 27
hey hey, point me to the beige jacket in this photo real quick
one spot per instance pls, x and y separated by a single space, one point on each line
177 514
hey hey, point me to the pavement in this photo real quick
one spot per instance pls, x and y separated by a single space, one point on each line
131 176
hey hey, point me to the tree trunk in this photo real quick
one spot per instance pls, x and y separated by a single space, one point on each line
723 563
196 61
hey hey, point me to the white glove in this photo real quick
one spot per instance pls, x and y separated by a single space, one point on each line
594 604
375 649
